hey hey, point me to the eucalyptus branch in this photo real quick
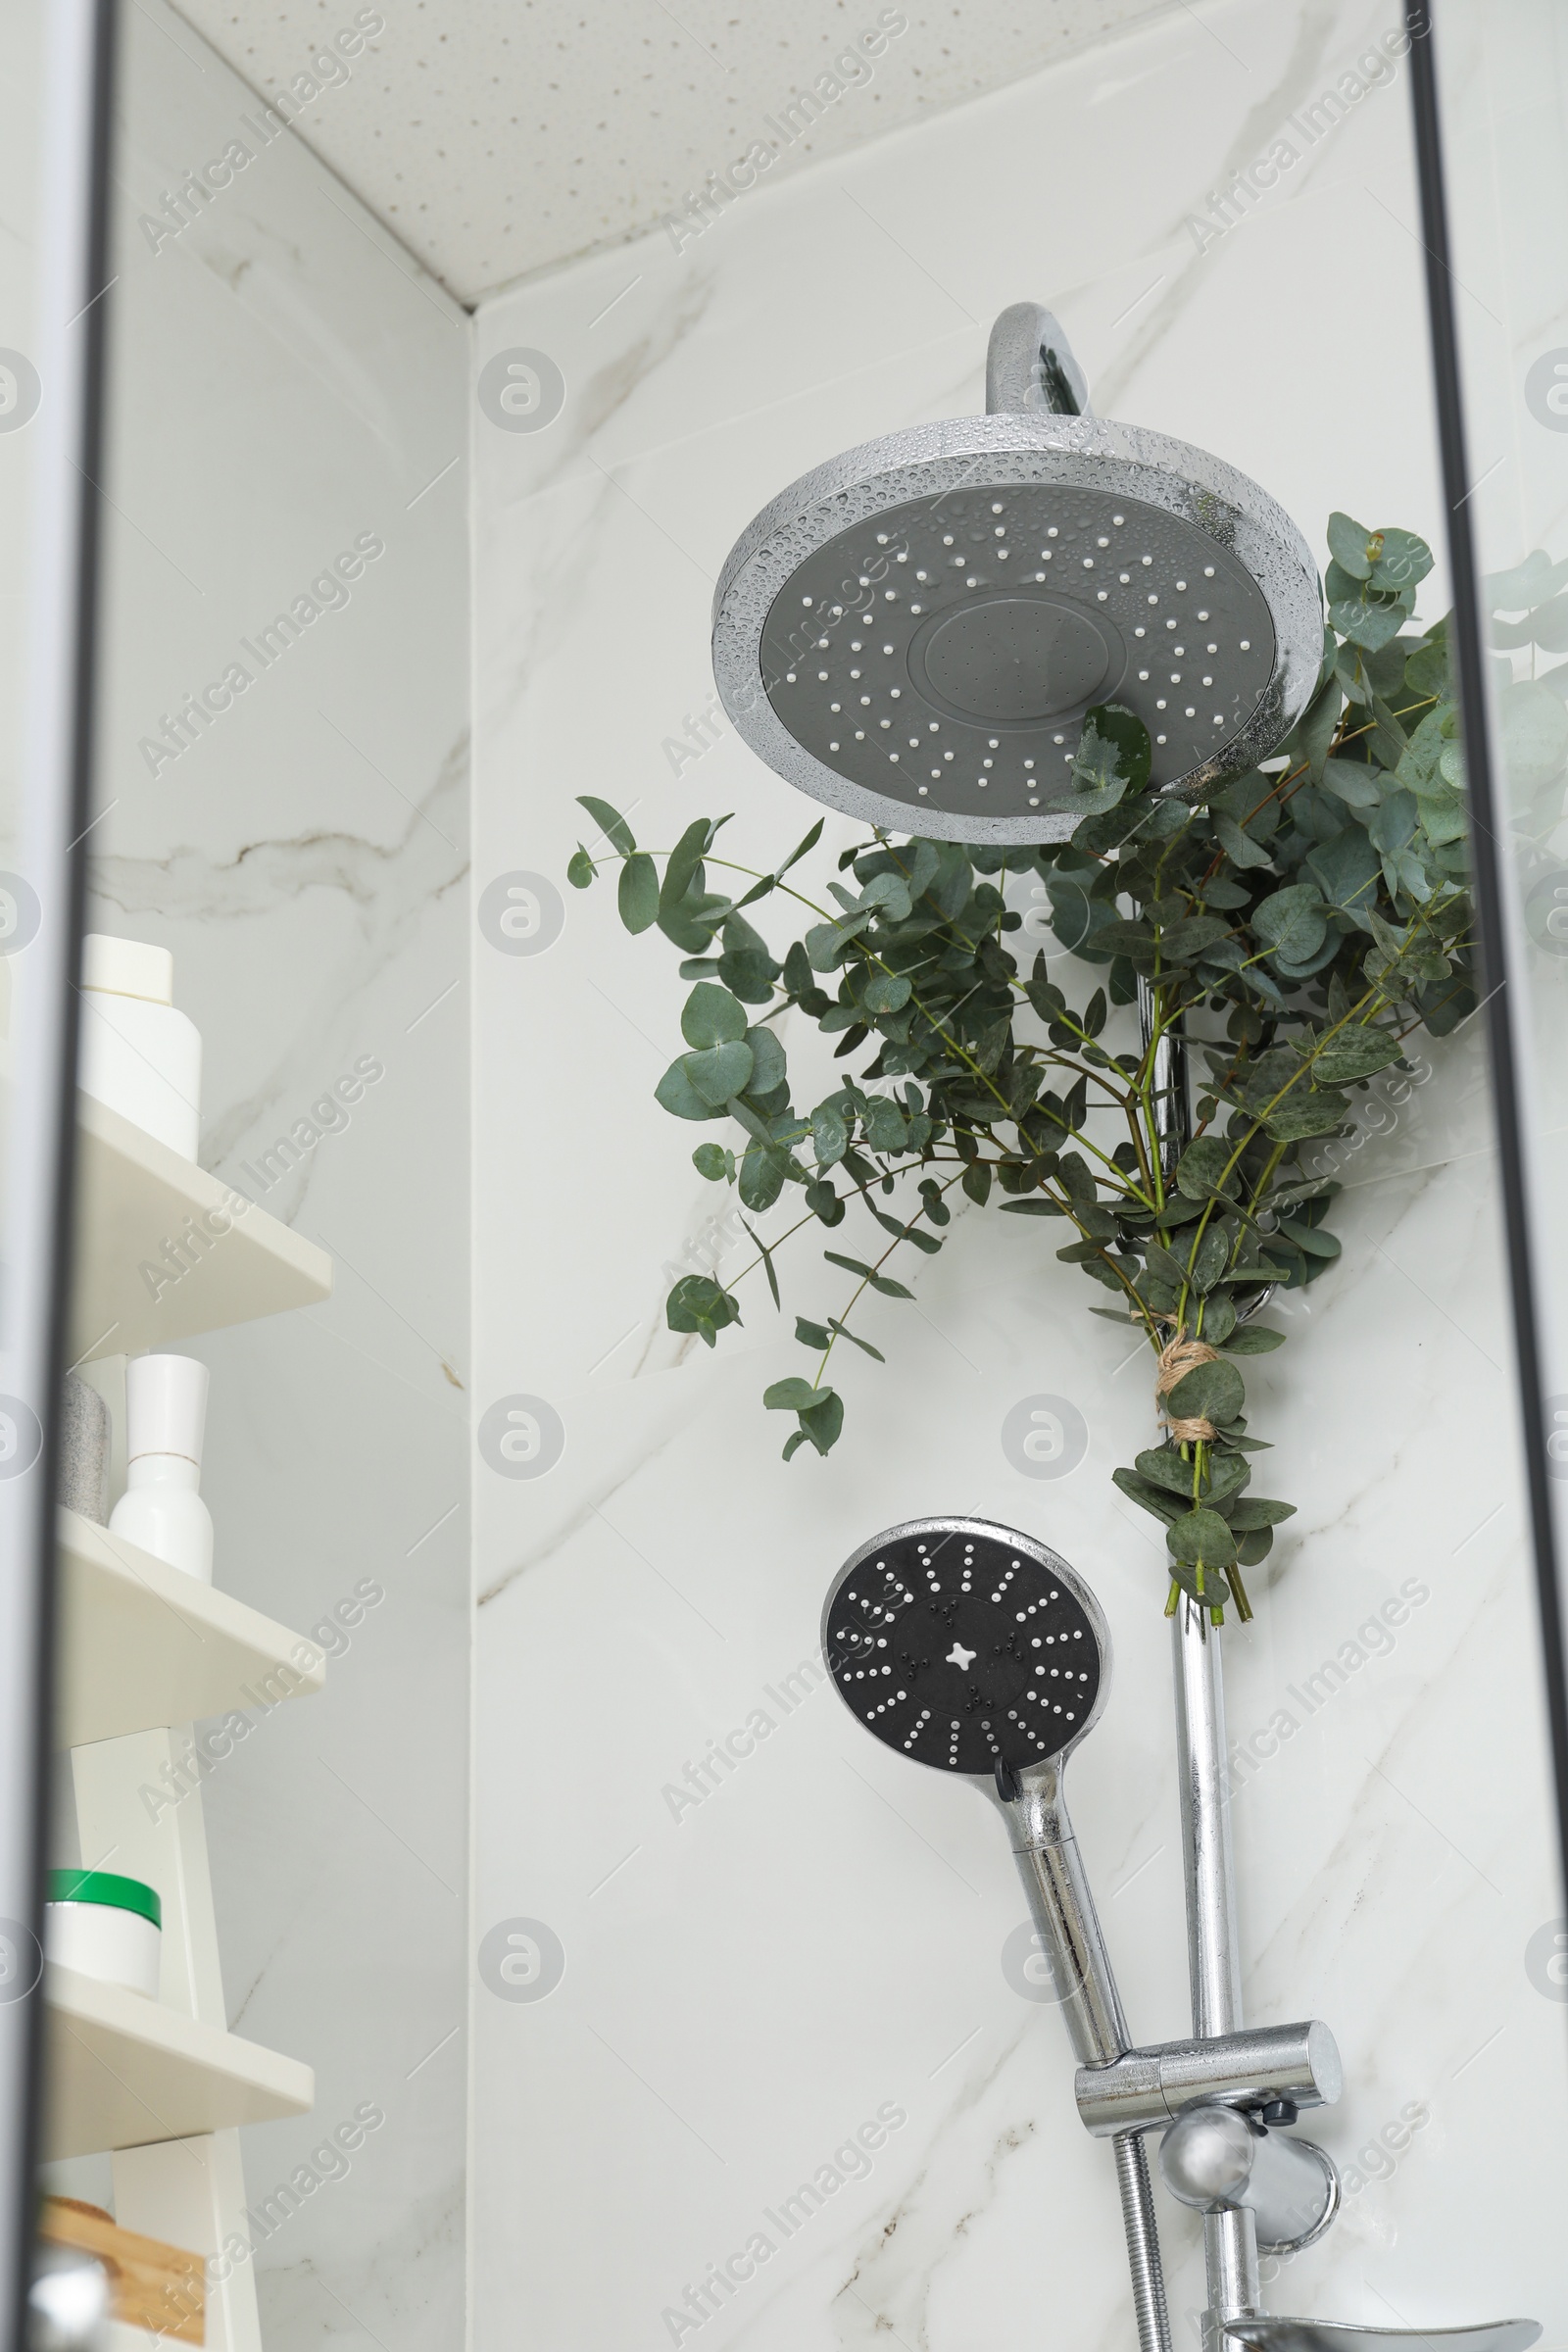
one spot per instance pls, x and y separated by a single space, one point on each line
1321 914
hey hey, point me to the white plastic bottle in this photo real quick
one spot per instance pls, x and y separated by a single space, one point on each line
138 1054
166 1418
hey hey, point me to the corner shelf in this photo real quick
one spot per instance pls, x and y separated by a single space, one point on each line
134 1197
126 2072
144 1646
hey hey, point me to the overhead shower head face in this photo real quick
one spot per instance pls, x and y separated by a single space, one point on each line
966 1645
1010 609
915 632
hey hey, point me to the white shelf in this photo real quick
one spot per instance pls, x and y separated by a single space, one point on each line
124 2072
143 1645
134 1197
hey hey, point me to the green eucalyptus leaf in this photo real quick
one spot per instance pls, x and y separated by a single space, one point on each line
1202 1538
1291 921
711 1016
683 865
1403 560
1393 826
1348 545
886 992
1355 1054
1528 583
1202 1170
1302 1114
828 943
1114 756
885 1127
1368 620
637 892
1208 1587
768 1066
1315 730
676 1094
855 1341
1253 1511
802 848
1252 1339
1220 1319
888 896
823 1422
1164 1466
1427 672
1353 782
1208 1392
830 1134
765 1171
698 1305
722 1071
824 1203
1159 1501
1534 735
610 822
1239 847
1345 871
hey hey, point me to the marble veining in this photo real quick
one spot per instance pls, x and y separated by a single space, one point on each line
823 1931
279 385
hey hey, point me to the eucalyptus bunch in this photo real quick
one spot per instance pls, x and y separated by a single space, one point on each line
1295 929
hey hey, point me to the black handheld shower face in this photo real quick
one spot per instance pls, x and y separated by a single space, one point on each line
966 1645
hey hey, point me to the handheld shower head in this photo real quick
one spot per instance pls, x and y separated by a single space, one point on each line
967 1647
971 1647
914 631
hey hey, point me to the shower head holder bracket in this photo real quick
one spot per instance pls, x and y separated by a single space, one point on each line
1144 2090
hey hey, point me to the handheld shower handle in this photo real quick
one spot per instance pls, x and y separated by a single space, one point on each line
1064 1910
1029 364
1058 1887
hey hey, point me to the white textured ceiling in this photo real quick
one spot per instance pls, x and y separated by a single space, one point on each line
501 138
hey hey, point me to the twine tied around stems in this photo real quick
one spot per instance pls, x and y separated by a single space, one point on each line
1179 1356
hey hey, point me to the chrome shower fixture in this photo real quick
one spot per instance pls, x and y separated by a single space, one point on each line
974 1649
977 1650
914 631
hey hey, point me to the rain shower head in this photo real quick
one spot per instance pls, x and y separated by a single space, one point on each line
966 1645
914 631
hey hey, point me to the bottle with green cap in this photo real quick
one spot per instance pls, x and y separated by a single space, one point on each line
105 1926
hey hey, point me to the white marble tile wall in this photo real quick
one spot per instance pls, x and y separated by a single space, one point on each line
748 1981
287 384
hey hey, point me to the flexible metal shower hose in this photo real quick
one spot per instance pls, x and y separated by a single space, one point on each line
1143 2243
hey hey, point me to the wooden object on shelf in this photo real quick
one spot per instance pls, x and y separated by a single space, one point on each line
151 2285
143 1645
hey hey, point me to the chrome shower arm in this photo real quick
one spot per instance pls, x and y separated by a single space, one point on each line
1214 1956
1168 1100
1029 364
